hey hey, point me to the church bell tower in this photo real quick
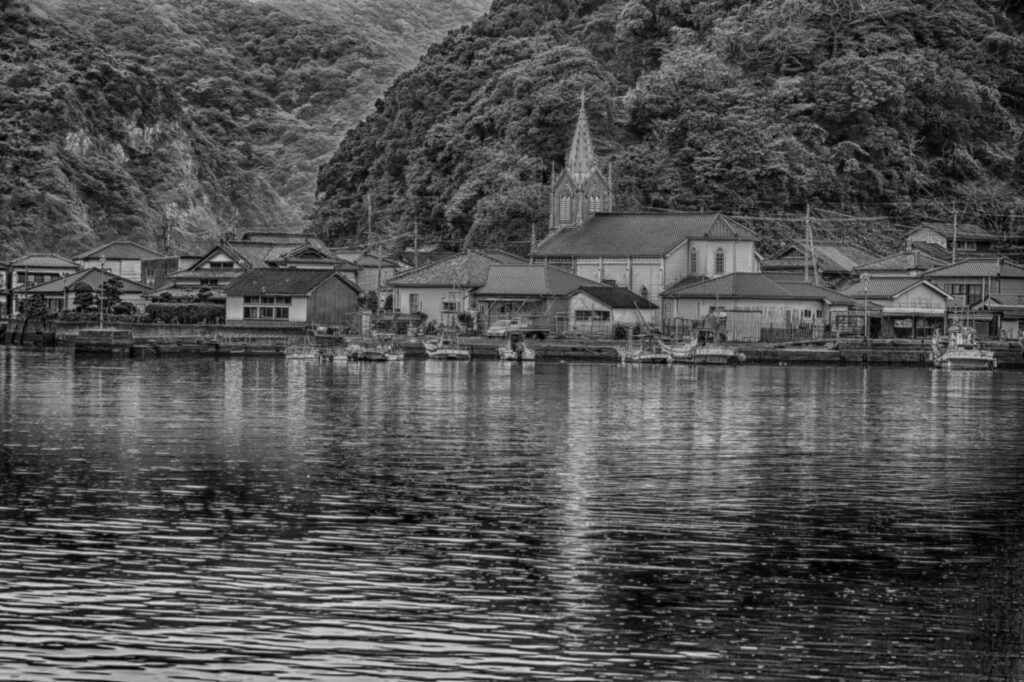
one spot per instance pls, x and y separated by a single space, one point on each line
580 190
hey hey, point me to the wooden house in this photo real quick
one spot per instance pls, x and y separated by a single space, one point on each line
122 258
32 269
598 311
963 239
913 262
291 297
60 294
828 263
539 293
900 307
971 281
754 306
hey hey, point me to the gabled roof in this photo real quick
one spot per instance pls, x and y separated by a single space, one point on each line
256 254
830 256
282 238
888 287
120 250
531 280
617 297
639 234
282 282
93 277
905 261
464 270
978 267
756 285
43 260
963 231
939 253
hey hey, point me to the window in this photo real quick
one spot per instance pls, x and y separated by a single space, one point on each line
593 315
450 306
414 303
966 246
719 261
595 203
207 282
565 208
221 265
693 260
266 307
807 313
610 282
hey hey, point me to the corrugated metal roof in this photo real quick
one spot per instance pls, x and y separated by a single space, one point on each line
465 270
978 267
885 287
283 282
617 297
43 260
639 234
755 285
121 250
531 280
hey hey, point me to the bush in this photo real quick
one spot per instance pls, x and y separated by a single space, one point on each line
185 313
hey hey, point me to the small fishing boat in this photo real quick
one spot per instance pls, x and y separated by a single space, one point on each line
961 350
307 350
383 352
515 350
445 346
645 349
693 352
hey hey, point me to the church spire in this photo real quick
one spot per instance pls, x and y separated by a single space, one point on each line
581 161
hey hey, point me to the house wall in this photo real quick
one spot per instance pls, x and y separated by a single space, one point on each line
773 313
331 304
921 296
297 312
643 276
129 269
618 317
431 301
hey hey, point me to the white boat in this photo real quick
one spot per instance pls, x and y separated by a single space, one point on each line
514 349
645 349
961 350
375 353
446 346
693 352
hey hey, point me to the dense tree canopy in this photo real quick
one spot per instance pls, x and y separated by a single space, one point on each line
869 107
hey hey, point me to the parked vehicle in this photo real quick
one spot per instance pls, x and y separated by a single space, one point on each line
526 327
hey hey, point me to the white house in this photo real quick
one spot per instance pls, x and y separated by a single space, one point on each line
599 310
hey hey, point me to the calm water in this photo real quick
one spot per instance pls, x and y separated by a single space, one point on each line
198 519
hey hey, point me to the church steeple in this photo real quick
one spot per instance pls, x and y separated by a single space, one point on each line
581 161
580 190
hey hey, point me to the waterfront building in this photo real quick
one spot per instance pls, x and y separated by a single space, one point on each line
913 262
60 294
755 306
32 269
122 258
288 297
963 239
899 307
600 310
538 293
373 271
829 263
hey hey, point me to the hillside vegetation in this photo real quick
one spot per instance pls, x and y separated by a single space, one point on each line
171 122
896 108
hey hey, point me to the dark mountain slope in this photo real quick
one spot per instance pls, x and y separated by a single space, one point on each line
900 109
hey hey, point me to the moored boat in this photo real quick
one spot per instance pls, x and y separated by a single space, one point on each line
445 346
645 349
693 352
961 350
516 350
384 352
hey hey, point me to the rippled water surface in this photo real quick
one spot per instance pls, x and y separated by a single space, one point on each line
209 519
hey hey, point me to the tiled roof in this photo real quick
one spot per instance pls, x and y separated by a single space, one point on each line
617 297
464 270
283 282
963 231
885 287
531 280
293 238
91 276
122 250
755 285
978 267
830 256
639 234
940 253
43 260
905 260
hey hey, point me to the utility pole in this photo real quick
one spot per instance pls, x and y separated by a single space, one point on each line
807 240
416 244
103 262
954 234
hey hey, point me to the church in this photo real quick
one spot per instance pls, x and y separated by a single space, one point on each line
644 252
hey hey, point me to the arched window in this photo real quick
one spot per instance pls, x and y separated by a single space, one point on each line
693 260
595 203
565 208
719 261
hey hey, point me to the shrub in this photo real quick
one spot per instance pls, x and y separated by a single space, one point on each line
185 313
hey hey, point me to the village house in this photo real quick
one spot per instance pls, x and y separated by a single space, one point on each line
829 263
61 293
896 307
1003 315
537 293
32 269
607 311
962 239
122 258
443 291
913 262
754 306
374 271
971 281
643 252
292 297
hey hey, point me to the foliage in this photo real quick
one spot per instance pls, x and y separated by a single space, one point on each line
184 313
872 108
34 308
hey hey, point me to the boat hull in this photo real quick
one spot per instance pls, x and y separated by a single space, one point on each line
977 360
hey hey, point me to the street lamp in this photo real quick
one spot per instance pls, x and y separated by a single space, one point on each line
864 277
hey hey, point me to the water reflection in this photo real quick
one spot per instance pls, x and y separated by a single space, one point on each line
233 519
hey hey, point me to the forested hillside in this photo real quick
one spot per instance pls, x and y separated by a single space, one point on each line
907 109
170 122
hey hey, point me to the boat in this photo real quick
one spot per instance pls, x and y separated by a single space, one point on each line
382 352
645 349
445 346
961 350
693 352
309 349
514 349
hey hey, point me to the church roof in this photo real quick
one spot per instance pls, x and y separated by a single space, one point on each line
581 161
639 234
